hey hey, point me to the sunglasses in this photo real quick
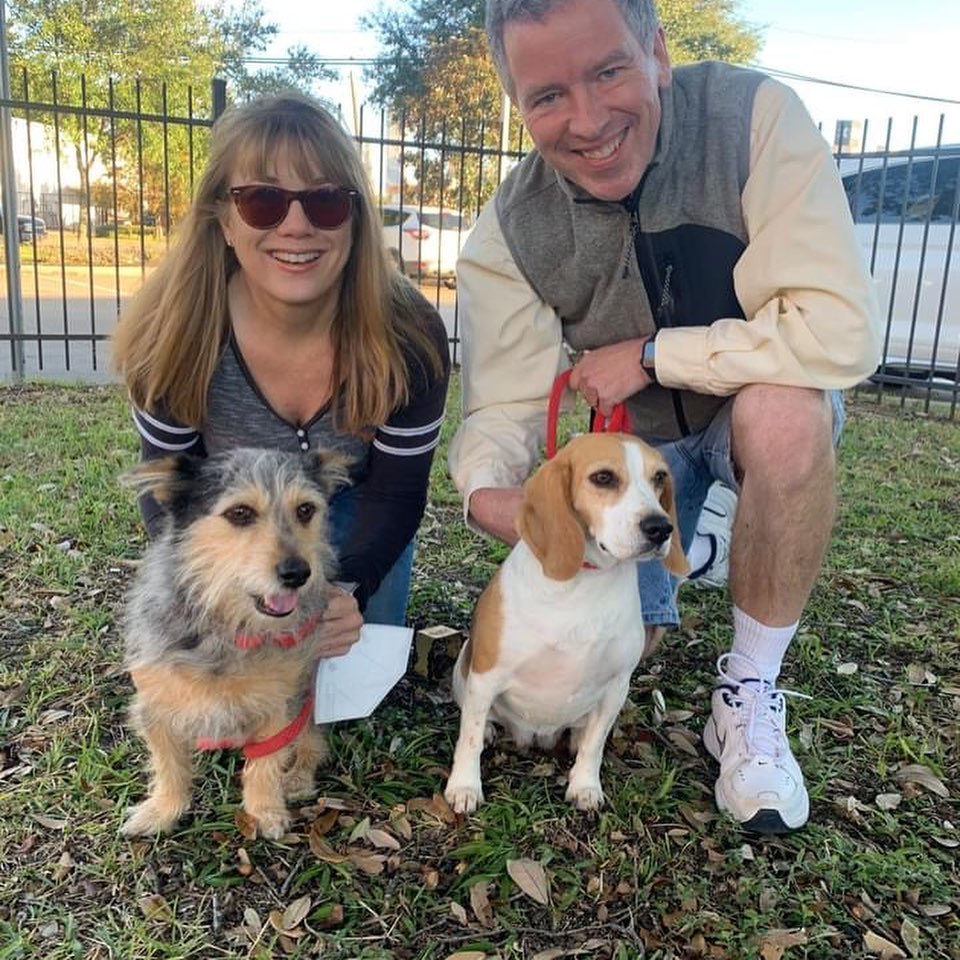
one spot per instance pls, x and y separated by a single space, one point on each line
263 207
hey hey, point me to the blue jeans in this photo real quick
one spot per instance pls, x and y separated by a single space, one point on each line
389 604
695 462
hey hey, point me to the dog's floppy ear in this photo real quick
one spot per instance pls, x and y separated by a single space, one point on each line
548 523
164 477
328 469
676 560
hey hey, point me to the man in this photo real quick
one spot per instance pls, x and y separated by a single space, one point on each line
685 232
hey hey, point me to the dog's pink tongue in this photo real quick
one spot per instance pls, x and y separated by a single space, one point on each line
281 603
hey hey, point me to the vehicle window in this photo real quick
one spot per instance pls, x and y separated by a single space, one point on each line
392 217
904 190
445 221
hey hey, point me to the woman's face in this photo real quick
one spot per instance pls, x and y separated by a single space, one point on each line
293 264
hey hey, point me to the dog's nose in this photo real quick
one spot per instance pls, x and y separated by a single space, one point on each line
656 529
293 571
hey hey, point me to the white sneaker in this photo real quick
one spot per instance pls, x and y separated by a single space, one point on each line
760 783
716 524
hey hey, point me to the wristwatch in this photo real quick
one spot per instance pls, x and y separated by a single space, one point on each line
648 359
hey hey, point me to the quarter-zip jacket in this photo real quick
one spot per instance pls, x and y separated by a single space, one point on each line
738 247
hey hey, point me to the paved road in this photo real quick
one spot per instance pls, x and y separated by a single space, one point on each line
66 315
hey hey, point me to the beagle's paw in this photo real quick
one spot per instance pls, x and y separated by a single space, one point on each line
464 797
585 795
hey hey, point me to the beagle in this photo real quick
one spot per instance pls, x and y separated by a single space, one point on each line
558 631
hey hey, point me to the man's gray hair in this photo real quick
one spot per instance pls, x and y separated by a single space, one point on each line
639 15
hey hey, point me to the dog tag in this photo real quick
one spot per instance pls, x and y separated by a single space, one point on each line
352 686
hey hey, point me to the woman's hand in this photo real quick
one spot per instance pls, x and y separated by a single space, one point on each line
340 627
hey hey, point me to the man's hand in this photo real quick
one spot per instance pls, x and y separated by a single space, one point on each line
495 509
608 375
340 627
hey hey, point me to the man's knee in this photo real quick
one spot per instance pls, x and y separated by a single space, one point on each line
787 429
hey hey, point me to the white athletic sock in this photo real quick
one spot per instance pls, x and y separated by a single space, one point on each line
763 645
700 552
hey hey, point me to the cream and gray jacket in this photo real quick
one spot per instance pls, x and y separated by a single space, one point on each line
737 247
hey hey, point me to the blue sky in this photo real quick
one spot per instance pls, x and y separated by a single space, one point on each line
884 44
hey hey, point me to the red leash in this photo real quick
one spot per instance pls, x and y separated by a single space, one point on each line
618 418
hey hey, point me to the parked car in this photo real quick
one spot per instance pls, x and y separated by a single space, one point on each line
424 241
30 227
27 227
905 210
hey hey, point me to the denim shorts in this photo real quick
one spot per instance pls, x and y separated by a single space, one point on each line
696 461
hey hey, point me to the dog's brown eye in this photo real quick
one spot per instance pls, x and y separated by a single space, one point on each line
241 515
305 512
604 478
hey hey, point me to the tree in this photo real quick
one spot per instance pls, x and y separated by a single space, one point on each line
434 66
140 57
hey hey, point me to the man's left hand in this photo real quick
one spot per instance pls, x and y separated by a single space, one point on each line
608 375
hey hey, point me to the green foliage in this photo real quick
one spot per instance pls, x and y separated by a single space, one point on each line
144 58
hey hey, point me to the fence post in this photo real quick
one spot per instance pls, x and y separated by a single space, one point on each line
11 227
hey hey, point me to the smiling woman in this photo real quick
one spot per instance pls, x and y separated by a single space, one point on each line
276 321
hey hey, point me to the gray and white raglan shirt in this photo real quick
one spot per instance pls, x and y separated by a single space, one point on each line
390 471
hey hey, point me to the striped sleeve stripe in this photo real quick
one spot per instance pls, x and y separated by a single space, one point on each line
412 431
406 451
163 436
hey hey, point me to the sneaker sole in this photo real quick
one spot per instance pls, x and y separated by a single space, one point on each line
765 820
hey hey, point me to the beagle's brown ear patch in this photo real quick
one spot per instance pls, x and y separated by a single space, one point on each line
676 560
548 523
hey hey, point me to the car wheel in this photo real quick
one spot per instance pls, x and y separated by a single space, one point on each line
450 282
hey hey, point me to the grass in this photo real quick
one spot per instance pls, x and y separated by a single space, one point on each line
378 867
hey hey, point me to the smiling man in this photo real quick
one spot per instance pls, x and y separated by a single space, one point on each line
683 235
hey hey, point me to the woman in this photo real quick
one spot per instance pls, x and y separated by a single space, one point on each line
277 321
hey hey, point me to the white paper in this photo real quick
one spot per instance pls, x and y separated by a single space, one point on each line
353 685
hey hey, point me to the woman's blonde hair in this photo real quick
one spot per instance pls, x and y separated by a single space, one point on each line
171 336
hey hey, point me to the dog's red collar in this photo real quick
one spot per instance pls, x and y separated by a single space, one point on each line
263 748
250 641
256 749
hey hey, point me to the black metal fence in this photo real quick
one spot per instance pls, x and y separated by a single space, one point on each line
101 180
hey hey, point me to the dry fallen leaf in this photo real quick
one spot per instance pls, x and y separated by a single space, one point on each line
459 913
874 943
531 878
322 850
325 822
774 943
382 839
371 864
888 801
245 824
910 935
480 904
155 907
917 773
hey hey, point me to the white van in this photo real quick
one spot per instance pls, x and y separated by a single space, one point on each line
905 209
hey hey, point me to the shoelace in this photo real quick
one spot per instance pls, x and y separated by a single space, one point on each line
763 704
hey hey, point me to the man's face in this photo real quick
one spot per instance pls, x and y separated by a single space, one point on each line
589 93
